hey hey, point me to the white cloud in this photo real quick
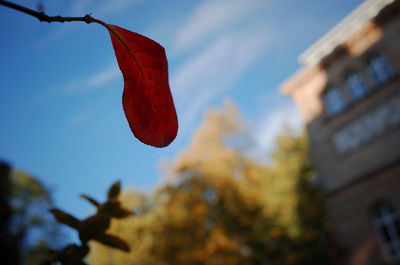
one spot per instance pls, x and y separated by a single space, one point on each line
110 7
285 114
60 32
209 74
103 77
99 7
79 8
81 85
89 83
212 16
85 114
80 118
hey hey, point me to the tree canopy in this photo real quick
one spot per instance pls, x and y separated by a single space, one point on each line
220 206
29 225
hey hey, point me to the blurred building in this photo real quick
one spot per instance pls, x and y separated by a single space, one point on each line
348 92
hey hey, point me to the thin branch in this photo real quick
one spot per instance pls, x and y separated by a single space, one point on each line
41 16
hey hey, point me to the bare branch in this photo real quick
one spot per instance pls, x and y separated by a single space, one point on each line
41 16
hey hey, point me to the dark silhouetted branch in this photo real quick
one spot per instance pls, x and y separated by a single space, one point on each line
41 16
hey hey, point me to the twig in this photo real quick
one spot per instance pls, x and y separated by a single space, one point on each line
41 16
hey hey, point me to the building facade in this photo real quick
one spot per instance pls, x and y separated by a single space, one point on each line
348 93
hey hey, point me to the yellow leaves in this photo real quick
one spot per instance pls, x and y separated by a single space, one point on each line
209 152
275 232
222 207
222 241
200 210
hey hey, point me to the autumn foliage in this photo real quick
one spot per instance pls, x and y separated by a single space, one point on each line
222 206
219 205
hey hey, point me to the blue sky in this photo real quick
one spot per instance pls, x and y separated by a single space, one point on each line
61 115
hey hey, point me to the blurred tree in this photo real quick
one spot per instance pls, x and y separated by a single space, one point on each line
9 248
218 146
293 192
222 207
199 221
139 232
287 178
31 224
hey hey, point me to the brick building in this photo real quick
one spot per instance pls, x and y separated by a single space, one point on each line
348 93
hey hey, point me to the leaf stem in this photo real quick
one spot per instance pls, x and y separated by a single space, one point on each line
43 17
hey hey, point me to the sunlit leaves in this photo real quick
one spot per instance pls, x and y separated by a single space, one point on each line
221 207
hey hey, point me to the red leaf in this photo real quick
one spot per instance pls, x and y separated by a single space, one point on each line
147 99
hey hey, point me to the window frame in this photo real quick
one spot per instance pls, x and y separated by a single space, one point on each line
379 70
385 222
356 86
331 98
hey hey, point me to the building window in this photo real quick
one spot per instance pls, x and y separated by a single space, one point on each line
356 86
379 70
387 226
334 102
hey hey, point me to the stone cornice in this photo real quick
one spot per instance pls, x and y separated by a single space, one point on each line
354 22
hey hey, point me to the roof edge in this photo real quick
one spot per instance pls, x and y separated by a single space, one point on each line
341 32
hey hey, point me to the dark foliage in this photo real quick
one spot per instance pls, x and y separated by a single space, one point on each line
91 228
